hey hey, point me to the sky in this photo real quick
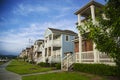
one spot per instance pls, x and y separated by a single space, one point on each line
24 20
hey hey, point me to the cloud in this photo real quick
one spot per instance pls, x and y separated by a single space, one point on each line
15 40
25 9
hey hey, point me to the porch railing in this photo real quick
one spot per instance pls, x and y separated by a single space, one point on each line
87 56
67 61
90 57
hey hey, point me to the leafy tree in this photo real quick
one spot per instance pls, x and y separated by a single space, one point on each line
105 33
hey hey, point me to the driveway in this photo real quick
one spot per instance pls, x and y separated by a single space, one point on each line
7 75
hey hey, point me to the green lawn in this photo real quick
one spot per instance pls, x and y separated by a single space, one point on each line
21 67
63 76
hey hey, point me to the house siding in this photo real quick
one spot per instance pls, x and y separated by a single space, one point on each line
67 46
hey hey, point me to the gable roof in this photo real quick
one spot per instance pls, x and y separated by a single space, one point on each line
40 40
89 4
59 31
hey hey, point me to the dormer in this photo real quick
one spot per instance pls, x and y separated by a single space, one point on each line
87 11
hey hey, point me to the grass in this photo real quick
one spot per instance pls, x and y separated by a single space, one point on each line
63 76
21 67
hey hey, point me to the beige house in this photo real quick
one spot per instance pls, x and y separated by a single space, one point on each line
38 51
30 53
25 53
22 54
87 52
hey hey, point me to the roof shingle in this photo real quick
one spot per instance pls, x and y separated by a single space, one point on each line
68 32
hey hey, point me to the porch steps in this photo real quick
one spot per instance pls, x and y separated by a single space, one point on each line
67 62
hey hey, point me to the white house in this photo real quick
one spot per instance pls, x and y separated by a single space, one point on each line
58 43
38 51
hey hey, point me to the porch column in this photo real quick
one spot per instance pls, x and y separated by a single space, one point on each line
92 7
98 56
79 19
80 47
95 52
52 47
47 51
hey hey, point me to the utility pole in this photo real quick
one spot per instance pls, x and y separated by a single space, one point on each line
30 42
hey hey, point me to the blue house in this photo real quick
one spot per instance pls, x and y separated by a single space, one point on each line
58 44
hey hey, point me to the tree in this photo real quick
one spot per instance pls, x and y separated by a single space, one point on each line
105 33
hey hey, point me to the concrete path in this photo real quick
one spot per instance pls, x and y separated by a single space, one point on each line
54 71
6 75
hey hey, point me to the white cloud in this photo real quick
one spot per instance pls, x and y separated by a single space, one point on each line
25 9
16 39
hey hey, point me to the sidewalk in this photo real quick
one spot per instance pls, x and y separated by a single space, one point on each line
42 73
7 75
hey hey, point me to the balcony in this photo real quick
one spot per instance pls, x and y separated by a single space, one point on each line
54 59
55 43
40 49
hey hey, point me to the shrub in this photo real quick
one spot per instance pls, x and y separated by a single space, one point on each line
100 69
53 64
58 66
43 64
32 62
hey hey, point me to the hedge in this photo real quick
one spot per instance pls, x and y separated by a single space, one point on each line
58 66
99 69
43 64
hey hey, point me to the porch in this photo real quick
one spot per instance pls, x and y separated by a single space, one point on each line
53 40
92 57
53 54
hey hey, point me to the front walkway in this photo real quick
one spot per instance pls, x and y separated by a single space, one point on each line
54 71
7 75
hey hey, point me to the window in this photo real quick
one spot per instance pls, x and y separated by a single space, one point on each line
67 38
45 51
50 37
49 51
87 45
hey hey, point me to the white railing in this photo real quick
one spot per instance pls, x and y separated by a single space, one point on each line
90 57
67 61
53 42
87 56
56 59
39 49
103 57
57 43
40 59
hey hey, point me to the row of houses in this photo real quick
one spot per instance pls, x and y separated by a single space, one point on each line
66 46
55 46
